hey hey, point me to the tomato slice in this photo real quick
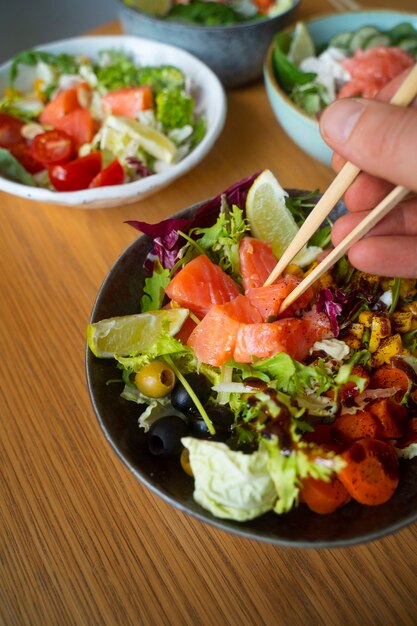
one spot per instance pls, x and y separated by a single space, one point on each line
10 130
77 174
113 174
23 153
54 147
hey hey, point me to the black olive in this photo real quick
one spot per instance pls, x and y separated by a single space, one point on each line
164 436
222 418
181 400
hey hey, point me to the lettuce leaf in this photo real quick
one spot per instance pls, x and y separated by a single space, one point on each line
154 289
230 484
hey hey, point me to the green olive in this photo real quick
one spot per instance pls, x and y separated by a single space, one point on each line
155 380
185 462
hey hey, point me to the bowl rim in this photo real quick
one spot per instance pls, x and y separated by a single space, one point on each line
269 71
229 526
102 197
202 27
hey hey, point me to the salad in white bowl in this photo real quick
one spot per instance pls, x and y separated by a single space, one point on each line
104 120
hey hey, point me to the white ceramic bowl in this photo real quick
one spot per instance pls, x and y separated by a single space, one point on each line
211 101
303 129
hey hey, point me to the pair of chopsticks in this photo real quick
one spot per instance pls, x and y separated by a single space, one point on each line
403 97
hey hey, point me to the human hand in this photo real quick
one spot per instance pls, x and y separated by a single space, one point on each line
381 139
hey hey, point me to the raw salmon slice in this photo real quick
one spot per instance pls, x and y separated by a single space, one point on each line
129 101
372 69
293 335
200 284
256 262
268 299
214 339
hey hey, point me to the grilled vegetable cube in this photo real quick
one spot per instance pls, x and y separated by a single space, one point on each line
354 335
401 321
365 318
389 347
380 328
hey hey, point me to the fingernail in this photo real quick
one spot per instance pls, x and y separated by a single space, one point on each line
339 120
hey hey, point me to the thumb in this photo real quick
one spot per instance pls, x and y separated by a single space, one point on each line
378 137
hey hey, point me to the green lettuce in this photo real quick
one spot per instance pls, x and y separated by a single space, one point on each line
229 484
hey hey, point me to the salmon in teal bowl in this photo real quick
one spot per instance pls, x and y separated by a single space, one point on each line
350 54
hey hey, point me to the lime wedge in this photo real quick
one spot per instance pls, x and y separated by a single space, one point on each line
302 45
129 334
152 7
269 218
148 138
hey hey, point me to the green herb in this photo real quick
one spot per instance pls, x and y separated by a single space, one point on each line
11 168
312 97
205 13
286 72
66 63
221 241
174 109
395 294
154 288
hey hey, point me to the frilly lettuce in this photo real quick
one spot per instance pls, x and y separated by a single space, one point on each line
229 484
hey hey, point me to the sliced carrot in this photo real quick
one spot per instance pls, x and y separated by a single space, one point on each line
392 416
79 125
371 471
200 284
128 102
323 497
349 428
387 376
410 434
63 103
351 389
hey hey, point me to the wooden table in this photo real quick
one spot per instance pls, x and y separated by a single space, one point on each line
82 542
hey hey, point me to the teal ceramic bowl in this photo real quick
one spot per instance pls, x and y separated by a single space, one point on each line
301 128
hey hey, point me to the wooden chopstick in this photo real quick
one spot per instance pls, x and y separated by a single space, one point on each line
368 222
402 97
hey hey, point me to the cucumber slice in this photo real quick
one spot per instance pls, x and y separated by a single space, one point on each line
361 36
408 43
377 40
400 31
341 41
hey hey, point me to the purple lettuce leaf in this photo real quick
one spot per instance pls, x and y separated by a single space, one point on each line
331 304
138 167
167 240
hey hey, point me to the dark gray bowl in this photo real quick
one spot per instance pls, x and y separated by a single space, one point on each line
352 524
235 53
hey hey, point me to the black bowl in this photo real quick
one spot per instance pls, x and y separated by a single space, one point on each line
351 524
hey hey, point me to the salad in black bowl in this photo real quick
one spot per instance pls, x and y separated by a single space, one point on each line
298 429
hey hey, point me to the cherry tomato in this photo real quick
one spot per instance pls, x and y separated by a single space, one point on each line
23 153
54 147
76 174
113 174
10 130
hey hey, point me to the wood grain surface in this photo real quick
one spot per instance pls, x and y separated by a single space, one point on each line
81 541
